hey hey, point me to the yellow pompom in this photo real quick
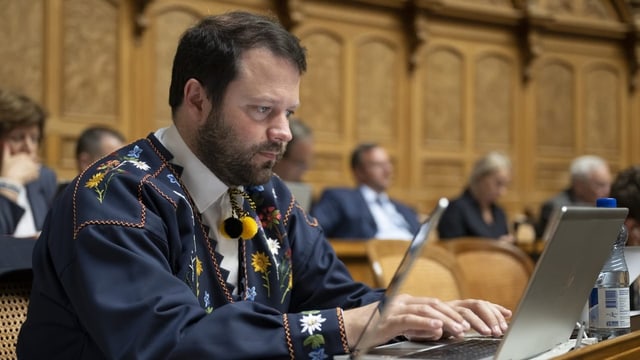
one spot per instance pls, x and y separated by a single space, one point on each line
249 227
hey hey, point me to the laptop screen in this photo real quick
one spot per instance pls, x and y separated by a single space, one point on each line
413 252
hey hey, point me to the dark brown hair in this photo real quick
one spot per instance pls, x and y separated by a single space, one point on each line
17 110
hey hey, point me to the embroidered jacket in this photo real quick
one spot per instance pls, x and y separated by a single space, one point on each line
125 269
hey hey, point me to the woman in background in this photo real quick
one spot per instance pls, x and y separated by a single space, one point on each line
476 212
27 188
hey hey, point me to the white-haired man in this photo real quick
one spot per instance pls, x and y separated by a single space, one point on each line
590 180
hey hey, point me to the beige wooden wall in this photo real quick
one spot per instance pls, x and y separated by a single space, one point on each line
437 82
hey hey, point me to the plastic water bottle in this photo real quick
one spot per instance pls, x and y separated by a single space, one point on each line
609 301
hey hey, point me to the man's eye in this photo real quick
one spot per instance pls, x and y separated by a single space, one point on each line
263 109
289 113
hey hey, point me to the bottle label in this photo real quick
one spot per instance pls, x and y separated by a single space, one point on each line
609 308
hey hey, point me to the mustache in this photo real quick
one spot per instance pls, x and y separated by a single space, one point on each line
276 147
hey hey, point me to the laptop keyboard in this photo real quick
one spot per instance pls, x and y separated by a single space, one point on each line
465 350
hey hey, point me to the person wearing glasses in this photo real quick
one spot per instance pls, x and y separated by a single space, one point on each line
27 188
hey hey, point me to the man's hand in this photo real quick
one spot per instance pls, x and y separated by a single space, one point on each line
421 318
486 318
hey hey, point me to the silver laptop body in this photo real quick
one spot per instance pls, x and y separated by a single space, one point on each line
578 242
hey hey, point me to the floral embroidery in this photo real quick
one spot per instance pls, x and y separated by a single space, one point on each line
172 179
285 274
251 293
270 219
198 267
260 262
318 354
207 302
274 245
311 323
99 181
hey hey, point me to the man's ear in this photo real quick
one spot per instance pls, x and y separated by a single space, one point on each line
196 101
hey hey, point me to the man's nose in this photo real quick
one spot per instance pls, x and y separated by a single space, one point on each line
279 131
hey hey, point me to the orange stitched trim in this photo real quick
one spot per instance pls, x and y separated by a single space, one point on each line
165 196
287 333
198 217
343 331
287 213
143 213
310 220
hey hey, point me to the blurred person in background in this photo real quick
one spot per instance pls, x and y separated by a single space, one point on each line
27 188
590 180
626 190
366 211
295 162
298 155
476 212
94 143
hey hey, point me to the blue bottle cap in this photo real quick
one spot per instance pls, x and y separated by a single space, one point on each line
606 202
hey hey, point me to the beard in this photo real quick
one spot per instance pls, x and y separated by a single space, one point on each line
220 149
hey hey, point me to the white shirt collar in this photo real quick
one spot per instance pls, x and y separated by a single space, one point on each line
203 185
371 195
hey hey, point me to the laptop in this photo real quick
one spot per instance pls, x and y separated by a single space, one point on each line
578 242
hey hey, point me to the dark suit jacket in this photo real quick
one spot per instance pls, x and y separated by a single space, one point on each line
40 194
565 197
463 218
344 213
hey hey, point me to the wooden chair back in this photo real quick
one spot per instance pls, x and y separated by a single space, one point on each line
15 288
434 274
494 270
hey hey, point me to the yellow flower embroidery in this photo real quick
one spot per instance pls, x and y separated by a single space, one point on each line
198 267
95 180
260 262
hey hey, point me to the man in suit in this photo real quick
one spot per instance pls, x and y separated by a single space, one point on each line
590 180
366 211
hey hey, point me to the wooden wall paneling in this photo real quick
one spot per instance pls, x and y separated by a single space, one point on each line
323 103
80 83
604 89
427 79
439 137
633 126
380 103
465 102
353 90
165 22
578 88
22 50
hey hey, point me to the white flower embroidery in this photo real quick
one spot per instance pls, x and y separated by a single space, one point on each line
140 165
311 323
274 245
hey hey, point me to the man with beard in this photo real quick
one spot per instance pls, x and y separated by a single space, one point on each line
184 245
